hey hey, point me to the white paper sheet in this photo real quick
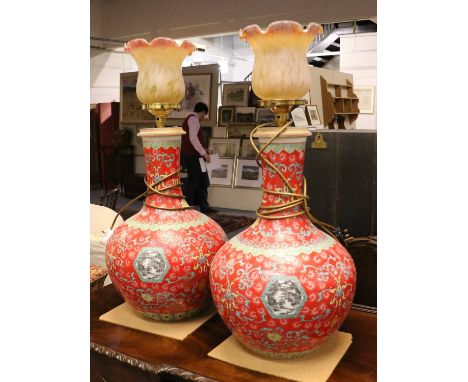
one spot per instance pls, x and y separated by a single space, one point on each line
202 164
214 162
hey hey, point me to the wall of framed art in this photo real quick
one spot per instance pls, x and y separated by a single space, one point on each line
225 147
238 161
239 112
201 85
237 183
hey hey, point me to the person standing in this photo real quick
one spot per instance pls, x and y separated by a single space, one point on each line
196 187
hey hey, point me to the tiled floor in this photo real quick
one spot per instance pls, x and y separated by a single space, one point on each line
121 201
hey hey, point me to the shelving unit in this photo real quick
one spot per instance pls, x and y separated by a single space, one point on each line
340 104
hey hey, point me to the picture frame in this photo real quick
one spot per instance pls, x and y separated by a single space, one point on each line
130 107
226 115
365 93
264 115
299 117
313 115
245 114
225 147
224 175
236 94
248 173
247 151
239 130
201 85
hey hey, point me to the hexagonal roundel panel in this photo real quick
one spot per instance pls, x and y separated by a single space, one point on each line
284 297
151 265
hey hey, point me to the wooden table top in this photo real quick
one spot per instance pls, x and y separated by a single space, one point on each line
157 354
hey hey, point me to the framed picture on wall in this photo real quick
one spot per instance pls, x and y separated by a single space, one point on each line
236 94
365 93
226 115
248 173
239 130
247 150
130 107
313 115
299 117
222 176
245 114
225 147
201 85
264 115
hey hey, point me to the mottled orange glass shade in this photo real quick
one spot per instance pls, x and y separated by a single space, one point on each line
159 62
280 69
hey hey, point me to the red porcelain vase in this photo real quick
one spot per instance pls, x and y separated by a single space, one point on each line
283 286
159 259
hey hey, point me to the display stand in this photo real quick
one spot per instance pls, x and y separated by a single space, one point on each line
314 367
126 316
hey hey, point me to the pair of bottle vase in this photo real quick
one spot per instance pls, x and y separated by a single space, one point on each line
282 286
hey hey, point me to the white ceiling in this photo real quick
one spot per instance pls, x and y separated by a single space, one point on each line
126 20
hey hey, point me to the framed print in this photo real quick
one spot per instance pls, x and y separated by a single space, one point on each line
236 94
239 130
264 115
201 85
247 151
223 175
299 117
365 93
248 173
225 147
313 115
226 115
130 107
245 114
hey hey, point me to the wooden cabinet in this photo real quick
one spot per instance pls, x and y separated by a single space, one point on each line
342 180
340 104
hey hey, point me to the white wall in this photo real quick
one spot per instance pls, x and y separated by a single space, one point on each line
105 69
359 57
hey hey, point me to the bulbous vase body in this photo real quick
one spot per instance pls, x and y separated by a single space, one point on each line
280 68
283 286
159 259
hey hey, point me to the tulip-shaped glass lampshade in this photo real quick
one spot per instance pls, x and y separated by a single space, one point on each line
160 85
280 74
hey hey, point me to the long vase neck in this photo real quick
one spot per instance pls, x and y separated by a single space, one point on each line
162 158
287 155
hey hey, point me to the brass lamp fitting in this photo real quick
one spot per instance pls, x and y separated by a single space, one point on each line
282 108
161 111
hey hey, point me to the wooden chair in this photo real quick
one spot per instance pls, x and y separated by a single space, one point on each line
364 253
109 198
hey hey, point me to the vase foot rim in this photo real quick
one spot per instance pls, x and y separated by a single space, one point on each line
171 316
289 355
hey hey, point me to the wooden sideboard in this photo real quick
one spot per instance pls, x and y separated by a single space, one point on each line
122 354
